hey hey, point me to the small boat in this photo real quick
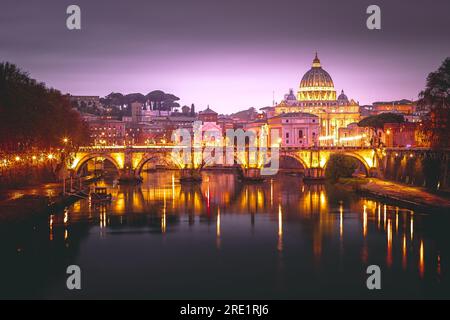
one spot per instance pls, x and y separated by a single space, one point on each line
100 194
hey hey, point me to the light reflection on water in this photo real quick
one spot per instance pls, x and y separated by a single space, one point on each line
226 239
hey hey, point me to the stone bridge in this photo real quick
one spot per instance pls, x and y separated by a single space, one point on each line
130 160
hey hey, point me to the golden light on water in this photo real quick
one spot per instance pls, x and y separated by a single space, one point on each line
310 206
396 221
271 192
50 226
389 243
218 240
280 228
103 217
260 198
218 223
421 259
404 252
379 216
163 221
280 221
365 221
323 199
173 188
341 220
163 217
208 196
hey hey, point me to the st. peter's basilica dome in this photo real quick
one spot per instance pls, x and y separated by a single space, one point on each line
316 84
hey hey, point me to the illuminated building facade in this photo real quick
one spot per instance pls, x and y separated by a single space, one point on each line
317 95
405 107
107 132
354 136
209 118
208 115
296 129
400 135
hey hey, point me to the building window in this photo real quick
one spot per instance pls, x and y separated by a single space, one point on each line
287 135
300 134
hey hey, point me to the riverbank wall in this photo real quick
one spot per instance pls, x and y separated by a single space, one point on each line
416 198
418 167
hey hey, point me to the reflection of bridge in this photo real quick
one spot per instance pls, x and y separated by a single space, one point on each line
130 160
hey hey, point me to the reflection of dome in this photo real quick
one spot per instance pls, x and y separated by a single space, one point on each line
316 84
342 97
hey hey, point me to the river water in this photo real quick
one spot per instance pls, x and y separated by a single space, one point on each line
223 239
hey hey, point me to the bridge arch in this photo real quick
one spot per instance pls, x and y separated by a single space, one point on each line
166 160
353 155
293 157
238 163
91 156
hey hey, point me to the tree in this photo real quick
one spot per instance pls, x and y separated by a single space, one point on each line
378 121
134 97
340 166
171 97
435 98
156 98
114 99
33 116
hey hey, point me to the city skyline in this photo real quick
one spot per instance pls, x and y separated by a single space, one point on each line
226 55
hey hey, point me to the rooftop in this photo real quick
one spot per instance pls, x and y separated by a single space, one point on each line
208 110
295 115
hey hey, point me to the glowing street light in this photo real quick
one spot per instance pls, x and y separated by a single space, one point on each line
50 156
17 158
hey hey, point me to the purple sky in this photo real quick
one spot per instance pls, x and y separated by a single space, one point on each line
228 54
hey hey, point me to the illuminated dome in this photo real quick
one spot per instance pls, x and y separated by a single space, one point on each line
343 97
316 84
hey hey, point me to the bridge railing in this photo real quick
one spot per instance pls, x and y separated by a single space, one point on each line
170 146
108 148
